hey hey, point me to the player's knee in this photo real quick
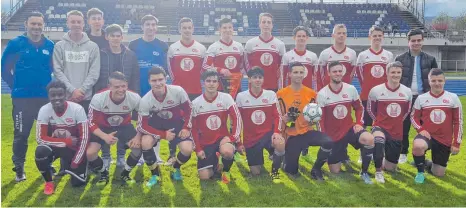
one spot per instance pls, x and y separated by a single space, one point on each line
279 145
328 144
227 150
419 147
76 182
366 138
147 142
186 147
255 170
205 174
334 168
43 152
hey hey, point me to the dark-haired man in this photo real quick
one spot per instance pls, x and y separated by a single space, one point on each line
95 20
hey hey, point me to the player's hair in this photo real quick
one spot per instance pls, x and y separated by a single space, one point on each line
332 64
338 26
149 17
184 19
224 21
375 28
265 14
112 29
208 74
56 84
157 70
299 28
294 64
393 65
118 76
255 71
35 14
94 11
435 72
74 12
415 32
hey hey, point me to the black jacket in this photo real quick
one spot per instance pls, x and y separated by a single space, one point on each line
427 63
130 68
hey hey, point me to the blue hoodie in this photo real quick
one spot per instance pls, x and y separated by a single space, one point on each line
27 66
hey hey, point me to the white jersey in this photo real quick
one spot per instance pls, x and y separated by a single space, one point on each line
221 55
308 59
347 57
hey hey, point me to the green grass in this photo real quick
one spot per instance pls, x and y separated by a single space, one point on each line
342 190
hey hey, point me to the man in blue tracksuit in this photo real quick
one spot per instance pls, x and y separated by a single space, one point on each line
27 69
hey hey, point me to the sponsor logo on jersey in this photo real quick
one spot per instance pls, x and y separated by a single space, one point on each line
170 102
187 64
383 58
346 57
345 95
401 94
340 111
230 62
125 107
155 53
265 101
115 120
437 116
446 101
258 117
213 122
195 50
165 114
266 59
393 110
377 71
69 120
219 105
46 52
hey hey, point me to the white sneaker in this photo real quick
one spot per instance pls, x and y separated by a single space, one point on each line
403 158
379 177
141 161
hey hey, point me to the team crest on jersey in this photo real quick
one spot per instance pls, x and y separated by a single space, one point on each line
394 110
446 101
377 71
345 95
187 64
266 59
170 102
115 120
258 117
45 52
155 53
230 62
61 133
383 58
437 116
308 59
340 112
165 114
213 122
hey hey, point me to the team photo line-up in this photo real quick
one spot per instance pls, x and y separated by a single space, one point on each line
85 90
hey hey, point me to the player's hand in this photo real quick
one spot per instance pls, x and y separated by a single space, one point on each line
225 72
201 155
279 137
78 95
454 150
424 133
110 138
357 128
74 141
285 118
135 143
170 135
184 134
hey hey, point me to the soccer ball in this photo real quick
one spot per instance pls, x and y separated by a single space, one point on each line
312 113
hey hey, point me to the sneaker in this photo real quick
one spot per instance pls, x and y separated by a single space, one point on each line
317 175
49 188
141 161
419 178
275 177
366 178
176 175
160 162
121 162
152 181
403 158
379 177
305 151
348 167
170 161
103 180
60 173
226 177
20 176
125 178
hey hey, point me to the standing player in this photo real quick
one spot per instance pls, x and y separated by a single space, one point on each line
185 58
110 122
210 131
61 132
266 52
263 124
26 68
301 135
226 57
165 112
337 99
95 20
388 104
438 117
337 52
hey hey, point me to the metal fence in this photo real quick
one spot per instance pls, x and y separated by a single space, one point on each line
457 66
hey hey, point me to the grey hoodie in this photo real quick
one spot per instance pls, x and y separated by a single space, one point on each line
77 64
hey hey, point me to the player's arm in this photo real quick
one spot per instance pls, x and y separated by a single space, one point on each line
281 53
236 122
195 132
416 115
321 103
372 104
169 66
457 123
143 121
247 51
359 69
94 69
321 71
410 101
358 108
95 114
208 64
59 67
9 57
83 130
277 116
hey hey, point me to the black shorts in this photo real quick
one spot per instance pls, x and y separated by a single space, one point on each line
165 126
255 154
392 146
124 134
440 152
210 160
67 155
367 118
340 148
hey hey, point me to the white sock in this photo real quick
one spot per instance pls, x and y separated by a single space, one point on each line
157 152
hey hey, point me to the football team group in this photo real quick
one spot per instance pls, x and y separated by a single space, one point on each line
85 90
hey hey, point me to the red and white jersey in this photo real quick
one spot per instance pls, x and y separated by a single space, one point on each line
371 68
336 106
209 120
104 112
308 59
71 123
441 116
260 114
221 55
185 64
267 55
347 57
389 107
173 109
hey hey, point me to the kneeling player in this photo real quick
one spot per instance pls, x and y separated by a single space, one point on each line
210 131
388 104
165 112
110 122
336 100
260 112
62 132
441 116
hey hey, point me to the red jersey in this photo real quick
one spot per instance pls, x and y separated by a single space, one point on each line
439 115
336 106
308 59
209 120
389 107
184 65
267 55
347 57
371 67
260 114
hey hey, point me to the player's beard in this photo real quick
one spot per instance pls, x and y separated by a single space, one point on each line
336 81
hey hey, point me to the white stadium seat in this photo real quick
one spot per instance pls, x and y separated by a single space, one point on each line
60 4
72 5
60 29
48 12
66 5
359 11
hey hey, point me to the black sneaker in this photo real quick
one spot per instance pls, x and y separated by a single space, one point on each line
126 180
103 178
275 177
317 175
305 151
20 176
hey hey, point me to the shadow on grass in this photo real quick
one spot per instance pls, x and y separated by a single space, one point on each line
28 193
